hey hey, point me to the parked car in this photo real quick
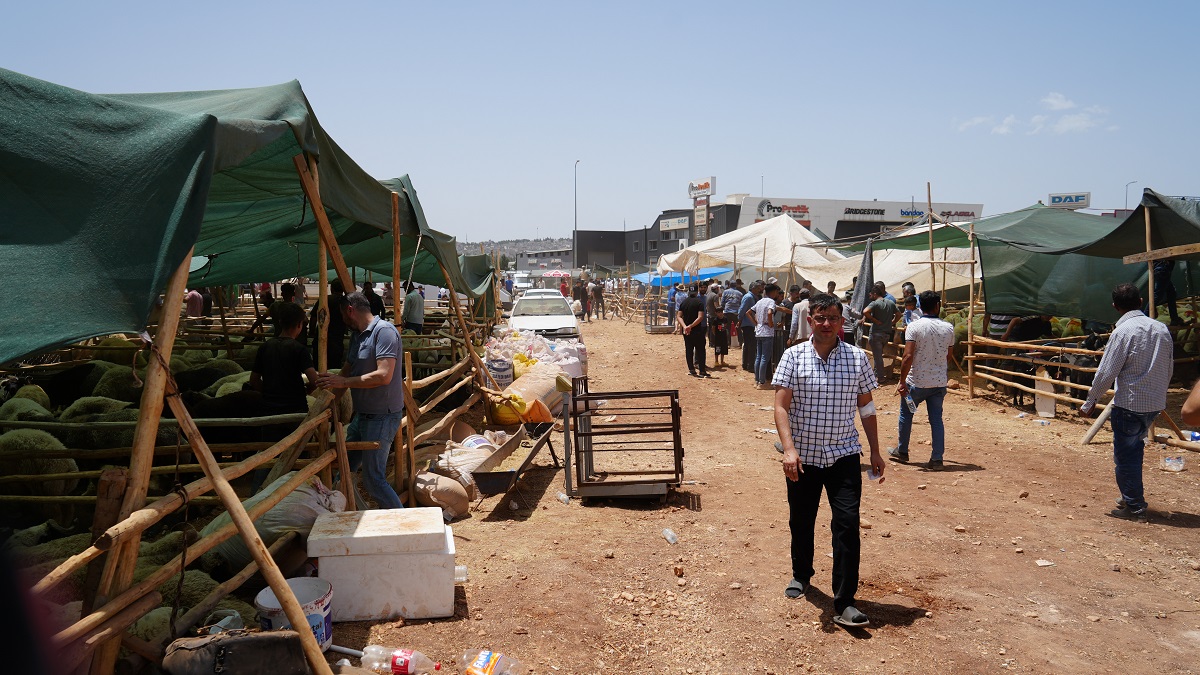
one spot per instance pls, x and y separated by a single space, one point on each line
545 312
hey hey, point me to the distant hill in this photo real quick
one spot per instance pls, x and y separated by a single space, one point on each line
511 247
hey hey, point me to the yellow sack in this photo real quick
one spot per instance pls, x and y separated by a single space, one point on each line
506 413
537 412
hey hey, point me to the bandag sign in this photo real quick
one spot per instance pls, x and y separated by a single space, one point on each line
1071 200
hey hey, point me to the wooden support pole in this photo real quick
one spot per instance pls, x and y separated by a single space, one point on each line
323 308
1096 426
118 569
72 655
971 314
109 490
484 374
1191 446
254 544
397 291
410 427
932 269
1153 310
307 169
343 459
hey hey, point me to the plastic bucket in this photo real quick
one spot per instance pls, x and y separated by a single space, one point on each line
501 370
475 441
315 597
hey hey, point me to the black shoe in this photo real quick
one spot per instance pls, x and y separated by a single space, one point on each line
1127 513
705 374
935 465
903 457
692 373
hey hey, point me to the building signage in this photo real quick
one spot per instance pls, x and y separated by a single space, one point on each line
851 211
700 205
703 187
667 224
1071 200
798 212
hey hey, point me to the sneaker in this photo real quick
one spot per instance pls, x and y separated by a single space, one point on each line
705 374
1127 513
894 453
935 465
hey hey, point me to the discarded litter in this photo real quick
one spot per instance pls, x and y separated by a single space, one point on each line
670 536
1172 464
1044 563
610 418
562 497
487 662
767 431
1022 415
1042 423
380 659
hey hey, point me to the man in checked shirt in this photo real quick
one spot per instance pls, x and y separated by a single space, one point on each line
819 385
1139 357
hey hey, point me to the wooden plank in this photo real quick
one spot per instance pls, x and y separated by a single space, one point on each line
324 400
1160 253
109 490
109 632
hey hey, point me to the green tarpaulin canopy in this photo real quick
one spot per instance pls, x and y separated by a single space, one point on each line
1041 258
105 194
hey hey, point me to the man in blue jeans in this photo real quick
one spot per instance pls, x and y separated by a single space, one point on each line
376 384
763 316
1139 359
928 345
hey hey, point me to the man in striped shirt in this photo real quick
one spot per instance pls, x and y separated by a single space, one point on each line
1139 358
819 385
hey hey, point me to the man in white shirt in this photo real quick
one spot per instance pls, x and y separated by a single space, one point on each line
413 316
928 345
800 330
1139 359
763 315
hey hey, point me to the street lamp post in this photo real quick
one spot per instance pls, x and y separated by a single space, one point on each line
575 231
1127 193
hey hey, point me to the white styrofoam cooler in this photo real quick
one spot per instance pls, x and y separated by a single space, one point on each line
386 563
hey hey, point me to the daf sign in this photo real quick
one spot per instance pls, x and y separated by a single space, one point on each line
1071 200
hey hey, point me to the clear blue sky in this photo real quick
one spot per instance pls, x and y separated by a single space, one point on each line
488 105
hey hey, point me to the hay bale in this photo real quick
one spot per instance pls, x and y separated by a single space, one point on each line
240 378
118 383
34 393
20 408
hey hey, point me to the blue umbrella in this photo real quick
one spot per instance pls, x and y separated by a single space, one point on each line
655 279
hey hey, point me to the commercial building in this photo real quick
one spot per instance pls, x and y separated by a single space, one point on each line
557 259
846 218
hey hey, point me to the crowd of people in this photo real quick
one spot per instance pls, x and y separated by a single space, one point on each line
796 344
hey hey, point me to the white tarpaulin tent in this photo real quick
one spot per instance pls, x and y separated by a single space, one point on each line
779 245
892 266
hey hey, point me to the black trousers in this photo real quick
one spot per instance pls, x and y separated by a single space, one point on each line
693 350
749 344
842 483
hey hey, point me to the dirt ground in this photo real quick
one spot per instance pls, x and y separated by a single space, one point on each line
951 575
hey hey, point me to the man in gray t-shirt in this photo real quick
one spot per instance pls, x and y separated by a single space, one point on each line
880 315
376 382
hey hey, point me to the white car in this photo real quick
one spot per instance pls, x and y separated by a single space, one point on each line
546 313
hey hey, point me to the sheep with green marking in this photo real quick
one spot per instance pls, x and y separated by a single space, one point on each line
30 443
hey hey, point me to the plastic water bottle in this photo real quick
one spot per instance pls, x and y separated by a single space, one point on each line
380 659
1194 436
562 497
670 536
460 574
912 405
488 662
1172 464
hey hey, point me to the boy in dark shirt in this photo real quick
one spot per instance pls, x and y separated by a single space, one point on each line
278 368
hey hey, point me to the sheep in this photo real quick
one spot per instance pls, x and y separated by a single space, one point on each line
36 440
118 383
34 393
23 409
32 536
226 366
77 381
239 378
198 379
